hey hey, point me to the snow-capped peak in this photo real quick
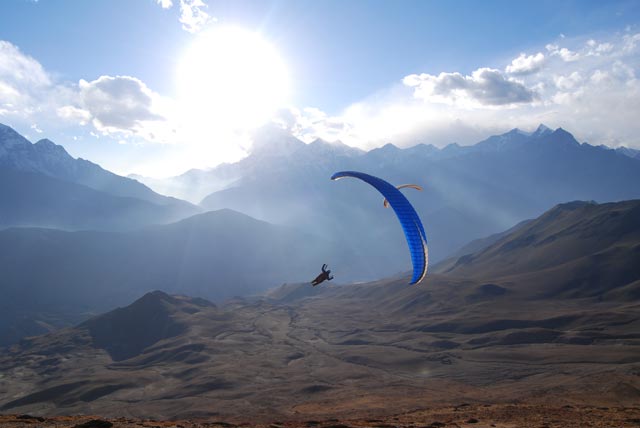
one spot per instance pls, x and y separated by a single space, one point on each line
9 138
542 130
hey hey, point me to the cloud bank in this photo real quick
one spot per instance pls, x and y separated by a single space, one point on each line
485 86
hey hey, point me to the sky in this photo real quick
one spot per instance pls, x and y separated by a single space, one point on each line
157 87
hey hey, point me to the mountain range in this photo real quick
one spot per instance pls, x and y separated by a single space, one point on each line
511 322
469 192
42 185
273 145
632 153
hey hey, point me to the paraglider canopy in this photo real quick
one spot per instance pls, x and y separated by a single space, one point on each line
409 220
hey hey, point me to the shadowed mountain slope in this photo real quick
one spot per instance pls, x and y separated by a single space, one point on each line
345 351
572 248
126 332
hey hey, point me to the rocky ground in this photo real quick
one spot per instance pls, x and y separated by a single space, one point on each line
347 352
463 415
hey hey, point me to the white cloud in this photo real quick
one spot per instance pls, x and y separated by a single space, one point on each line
599 76
630 42
568 82
595 48
311 123
166 4
74 114
8 92
27 92
118 104
526 64
485 86
123 107
193 15
22 79
623 70
19 69
564 53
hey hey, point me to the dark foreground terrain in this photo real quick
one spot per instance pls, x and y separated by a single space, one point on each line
358 351
463 415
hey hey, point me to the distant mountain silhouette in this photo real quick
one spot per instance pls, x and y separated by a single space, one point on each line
548 313
632 153
42 185
469 191
273 150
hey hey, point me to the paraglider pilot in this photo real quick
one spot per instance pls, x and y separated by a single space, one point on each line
326 274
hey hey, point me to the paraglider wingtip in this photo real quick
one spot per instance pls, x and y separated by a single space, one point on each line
341 174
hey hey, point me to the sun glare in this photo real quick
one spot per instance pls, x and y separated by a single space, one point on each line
231 78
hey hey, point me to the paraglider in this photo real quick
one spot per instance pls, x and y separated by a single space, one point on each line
325 275
402 186
411 224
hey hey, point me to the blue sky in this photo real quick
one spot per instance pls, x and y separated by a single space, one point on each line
365 72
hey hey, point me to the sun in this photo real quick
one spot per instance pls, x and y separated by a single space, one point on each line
230 77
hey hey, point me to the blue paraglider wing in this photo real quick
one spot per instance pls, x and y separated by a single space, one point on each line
411 224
